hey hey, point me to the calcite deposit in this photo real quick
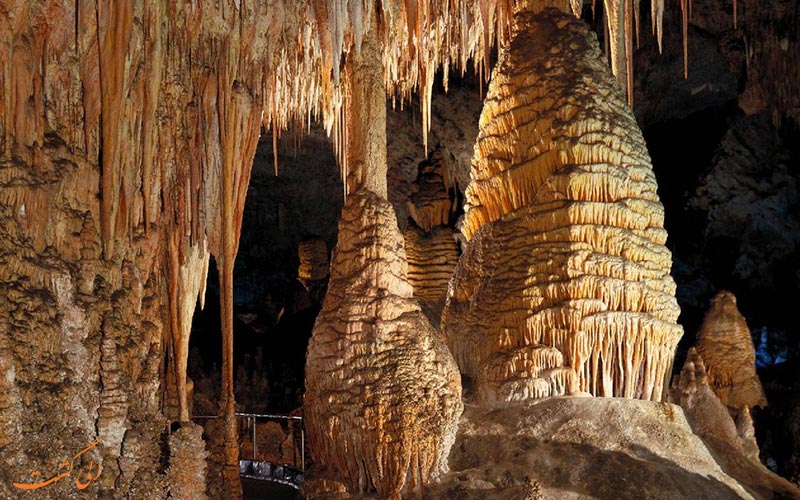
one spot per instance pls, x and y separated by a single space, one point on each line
383 393
565 282
725 344
730 436
431 248
127 136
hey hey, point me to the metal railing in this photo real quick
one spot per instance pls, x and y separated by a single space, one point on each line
252 418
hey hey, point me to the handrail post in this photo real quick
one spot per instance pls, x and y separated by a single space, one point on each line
254 438
303 446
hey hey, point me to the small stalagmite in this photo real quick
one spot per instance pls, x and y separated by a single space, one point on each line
383 394
429 202
709 417
314 265
726 346
431 246
564 285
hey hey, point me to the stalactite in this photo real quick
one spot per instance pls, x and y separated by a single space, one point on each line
156 107
685 31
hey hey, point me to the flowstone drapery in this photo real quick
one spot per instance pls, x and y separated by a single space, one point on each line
564 285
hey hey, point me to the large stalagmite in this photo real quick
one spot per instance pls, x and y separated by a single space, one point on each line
565 279
383 393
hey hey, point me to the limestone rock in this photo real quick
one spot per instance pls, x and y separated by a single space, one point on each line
429 203
314 265
725 344
187 463
382 391
314 269
431 259
731 441
565 282
708 416
591 448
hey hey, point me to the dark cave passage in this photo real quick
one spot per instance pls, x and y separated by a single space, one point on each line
273 311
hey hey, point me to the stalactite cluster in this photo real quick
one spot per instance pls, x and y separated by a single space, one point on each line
566 277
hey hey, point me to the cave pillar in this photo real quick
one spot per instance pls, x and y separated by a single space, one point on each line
383 393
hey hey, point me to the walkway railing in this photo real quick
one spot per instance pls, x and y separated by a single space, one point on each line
253 418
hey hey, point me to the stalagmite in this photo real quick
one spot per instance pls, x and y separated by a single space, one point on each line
726 346
429 202
314 266
430 244
565 278
709 417
432 256
383 394
187 465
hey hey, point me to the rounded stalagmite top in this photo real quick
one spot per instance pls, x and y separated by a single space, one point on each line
726 346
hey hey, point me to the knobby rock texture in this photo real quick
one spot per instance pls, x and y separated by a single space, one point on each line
564 285
383 393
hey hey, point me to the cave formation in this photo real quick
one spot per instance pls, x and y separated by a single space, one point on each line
128 132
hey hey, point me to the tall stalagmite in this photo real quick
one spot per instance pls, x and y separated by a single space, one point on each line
383 394
430 244
566 277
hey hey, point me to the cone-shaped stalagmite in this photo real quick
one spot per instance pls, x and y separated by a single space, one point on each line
566 277
725 344
382 391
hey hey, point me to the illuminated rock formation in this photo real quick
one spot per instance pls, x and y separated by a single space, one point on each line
726 346
187 464
730 438
383 393
576 447
127 135
565 279
430 243
708 416
429 202
314 265
314 268
431 259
